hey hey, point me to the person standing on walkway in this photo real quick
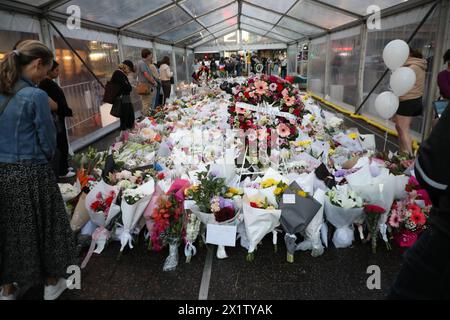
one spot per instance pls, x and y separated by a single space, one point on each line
425 273
55 92
411 104
146 83
165 75
36 242
120 78
444 78
284 68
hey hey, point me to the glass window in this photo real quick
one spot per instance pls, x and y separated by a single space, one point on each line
84 94
319 15
261 14
197 8
114 12
220 15
280 6
162 22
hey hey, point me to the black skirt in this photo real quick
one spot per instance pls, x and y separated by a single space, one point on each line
410 108
36 241
127 117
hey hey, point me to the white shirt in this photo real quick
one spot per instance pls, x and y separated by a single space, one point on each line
164 72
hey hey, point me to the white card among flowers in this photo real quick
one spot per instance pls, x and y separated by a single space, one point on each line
221 235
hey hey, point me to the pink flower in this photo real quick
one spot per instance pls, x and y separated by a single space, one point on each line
273 87
394 220
285 92
262 134
252 94
260 87
283 130
240 110
290 101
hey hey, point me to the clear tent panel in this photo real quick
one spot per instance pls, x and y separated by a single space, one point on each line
114 13
259 13
319 15
162 22
298 26
279 6
35 3
256 23
222 25
360 6
345 55
180 65
253 29
219 15
201 36
197 8
317 65
288 33
182 32
398 27
252 38
278 37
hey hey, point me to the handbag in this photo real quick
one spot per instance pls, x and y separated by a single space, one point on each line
143 89
116 109
111 91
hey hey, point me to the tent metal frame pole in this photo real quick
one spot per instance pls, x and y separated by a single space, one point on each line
444 14
326 89
425 18
74 52
362 62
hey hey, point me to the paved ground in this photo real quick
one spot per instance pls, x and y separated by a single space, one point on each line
338 274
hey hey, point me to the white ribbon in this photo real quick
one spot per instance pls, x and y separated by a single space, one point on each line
189 249
124 237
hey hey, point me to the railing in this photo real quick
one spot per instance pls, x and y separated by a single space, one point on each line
85 99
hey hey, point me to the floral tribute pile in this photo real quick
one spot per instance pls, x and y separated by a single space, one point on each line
180 176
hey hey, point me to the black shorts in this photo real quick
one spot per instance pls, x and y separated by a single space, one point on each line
410 108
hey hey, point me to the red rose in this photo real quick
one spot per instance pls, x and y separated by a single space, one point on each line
280 87
95 205
374 208
247 94
160 175
296 112
253 205
232 109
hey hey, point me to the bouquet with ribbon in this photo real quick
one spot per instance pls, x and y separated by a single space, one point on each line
342 208
298 208
102 209
134 202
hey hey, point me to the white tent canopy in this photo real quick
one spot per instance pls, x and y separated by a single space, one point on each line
192 23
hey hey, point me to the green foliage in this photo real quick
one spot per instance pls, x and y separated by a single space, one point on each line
208 188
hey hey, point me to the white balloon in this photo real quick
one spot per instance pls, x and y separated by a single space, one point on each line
402 81
387 104
395 54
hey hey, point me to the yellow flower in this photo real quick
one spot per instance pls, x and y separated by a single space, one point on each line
304 143
268 183
302 194
312 118
233 191
229 195
278 191
331 151
353 135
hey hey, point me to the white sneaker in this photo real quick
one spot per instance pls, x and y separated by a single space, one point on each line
53 292
13 296
69 174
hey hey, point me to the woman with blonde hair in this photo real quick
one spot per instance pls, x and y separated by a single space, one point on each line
36 242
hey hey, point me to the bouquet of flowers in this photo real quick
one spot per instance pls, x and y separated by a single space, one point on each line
102 209
342 208
134 202
168 222
373 216
408 220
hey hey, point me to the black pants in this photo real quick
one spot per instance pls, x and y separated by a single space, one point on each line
167 87
127 117
426 270
63 152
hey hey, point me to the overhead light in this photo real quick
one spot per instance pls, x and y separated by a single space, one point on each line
67 58
2 55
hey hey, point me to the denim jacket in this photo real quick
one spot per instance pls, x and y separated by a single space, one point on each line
27 131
